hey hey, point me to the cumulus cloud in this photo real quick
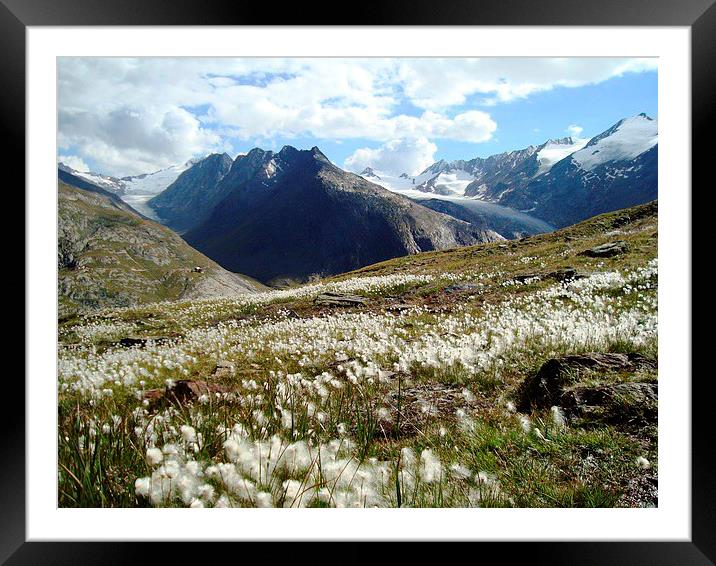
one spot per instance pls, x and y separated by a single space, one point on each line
573 130
438 84
129 140
73 161
394 157
136 115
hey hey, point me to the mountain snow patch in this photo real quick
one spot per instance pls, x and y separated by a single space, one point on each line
628 139
554 151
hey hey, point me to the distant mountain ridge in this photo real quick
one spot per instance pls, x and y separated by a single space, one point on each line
293 214
616 169
561 181
110 256
194 194
145 183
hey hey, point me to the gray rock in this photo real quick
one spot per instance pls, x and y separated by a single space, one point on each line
556 375
524 277
399 307
340 300
564 274
609 249
619 403
187 391
223 369
141 341
460 287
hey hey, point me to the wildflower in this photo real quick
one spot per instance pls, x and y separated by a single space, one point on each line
154 456
467 394
431 469
264 499
460 471
142 486
643 463
188 433
558 416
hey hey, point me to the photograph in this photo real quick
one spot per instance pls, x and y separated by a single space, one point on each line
329 282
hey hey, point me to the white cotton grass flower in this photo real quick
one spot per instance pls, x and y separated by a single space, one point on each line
430 466
188 433
263 499
154 456
643 463
558 417
467 394
510 406
538 434
142 486
525 423
460 471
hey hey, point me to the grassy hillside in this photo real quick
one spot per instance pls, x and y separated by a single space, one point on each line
421 394
110 257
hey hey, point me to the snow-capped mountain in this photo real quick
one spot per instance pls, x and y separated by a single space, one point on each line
616 169
625 140
154 183
552 151
144 184
484 178
193 195
135 190
106 182
368 173
560 181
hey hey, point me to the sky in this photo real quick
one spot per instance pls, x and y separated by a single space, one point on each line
128 116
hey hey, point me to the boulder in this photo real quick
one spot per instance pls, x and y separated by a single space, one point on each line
462 287
340 300
546 387
141 341
399 307
609 249
223 369
563 274
525 277
187 390
619 403
566 274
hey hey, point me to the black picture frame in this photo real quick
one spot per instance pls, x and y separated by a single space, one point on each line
699 15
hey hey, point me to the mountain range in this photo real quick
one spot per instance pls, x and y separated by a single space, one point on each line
561 181
144 184
291 215
111 256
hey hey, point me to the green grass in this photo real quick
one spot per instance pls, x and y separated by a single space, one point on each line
584 463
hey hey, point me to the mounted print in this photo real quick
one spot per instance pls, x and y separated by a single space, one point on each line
357 282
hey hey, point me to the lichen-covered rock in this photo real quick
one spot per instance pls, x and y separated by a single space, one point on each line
339 300
609 249
547 386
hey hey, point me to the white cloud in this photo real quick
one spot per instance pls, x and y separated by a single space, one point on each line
573 130
129 140
137 115
439 84
394 157
73 161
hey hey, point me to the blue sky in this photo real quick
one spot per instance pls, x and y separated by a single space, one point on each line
130 116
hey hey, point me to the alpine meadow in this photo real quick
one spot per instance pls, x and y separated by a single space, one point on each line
357 282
